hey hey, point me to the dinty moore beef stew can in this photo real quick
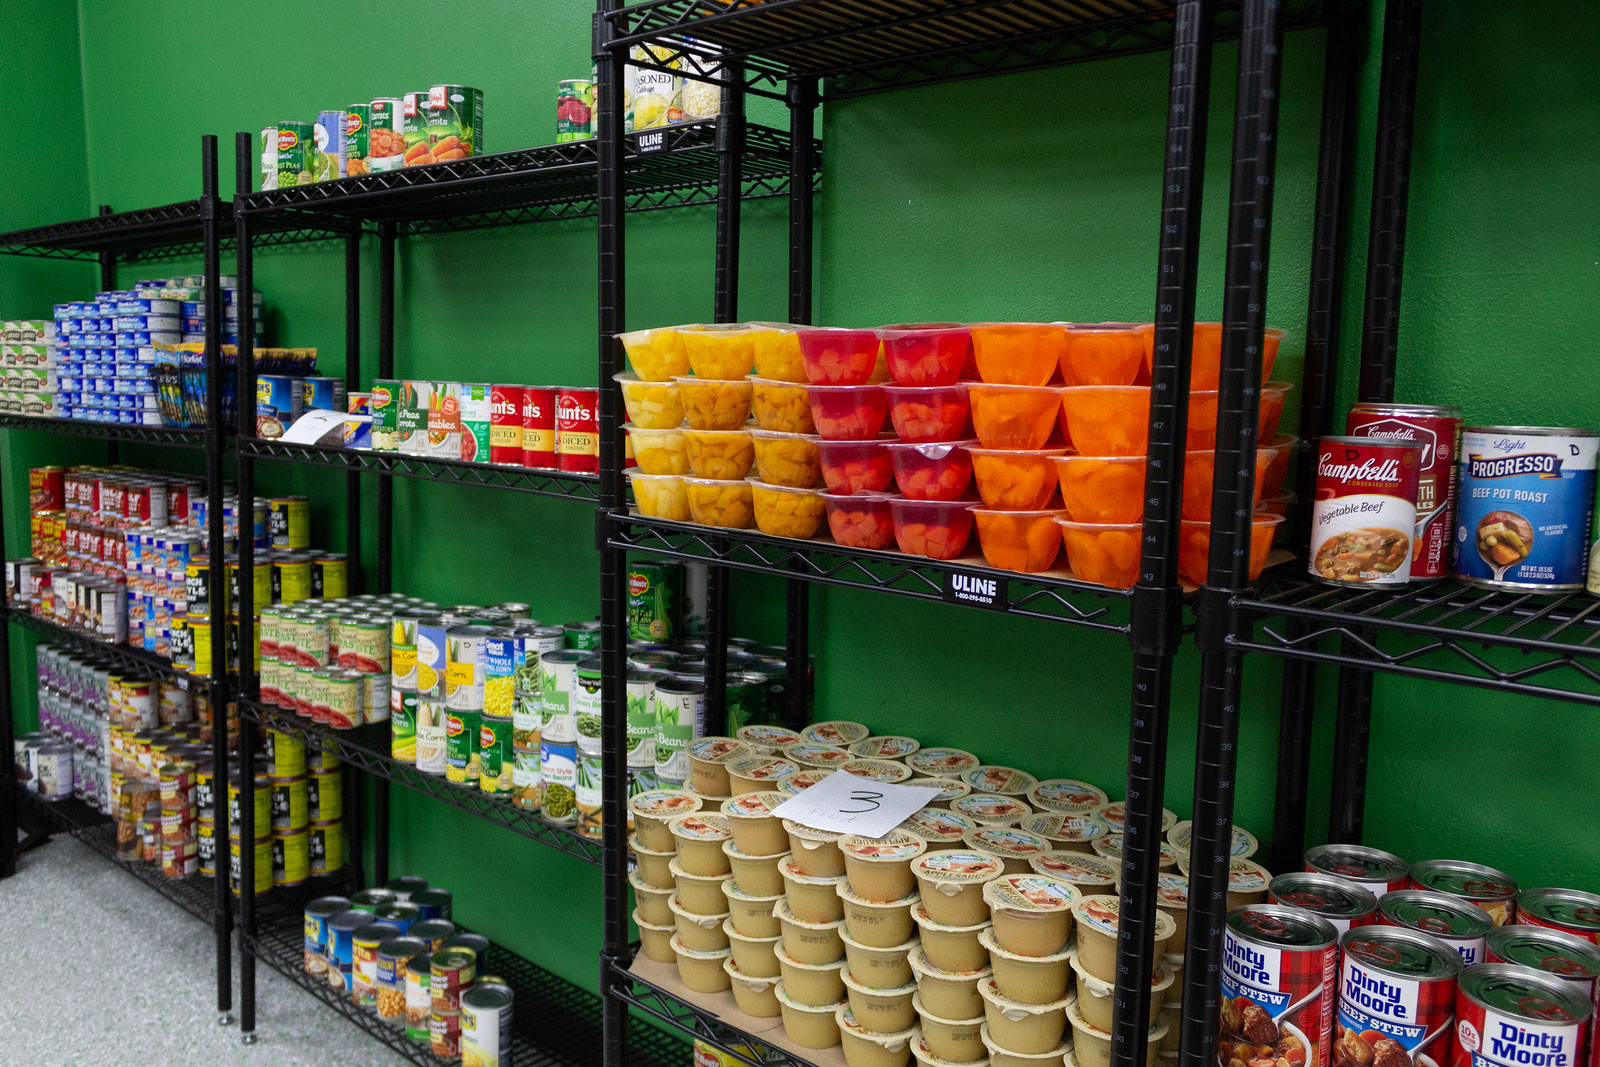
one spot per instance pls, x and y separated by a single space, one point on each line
1438 430
1364 518
1279 970
1559 954
1397 999
1527 497
1511 1016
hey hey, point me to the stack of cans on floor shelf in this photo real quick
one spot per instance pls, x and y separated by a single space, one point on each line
30 362
296 817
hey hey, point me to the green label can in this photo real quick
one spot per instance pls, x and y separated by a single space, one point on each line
475 403
680 718
582 636
496 764
558 764
403 726
297 147
655 601
575 99
587 794
383 404
387 143
357 139
560 678
747 700
269 158
586 703
642 718
461 745
454 122
430 736
526 778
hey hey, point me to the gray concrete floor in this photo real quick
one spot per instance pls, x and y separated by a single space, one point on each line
99 969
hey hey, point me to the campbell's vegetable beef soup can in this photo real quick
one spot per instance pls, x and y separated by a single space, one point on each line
1275 958
1561 955
1511 1016
1527 498
1344 904
539 426
578 429
1438 430
1373 869
1364 518
1397 994
1570 910
1493 891
1461 925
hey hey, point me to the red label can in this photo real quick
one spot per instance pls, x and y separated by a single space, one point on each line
1373 869
1344 904
1571 910
1458 923
47 488
1561 955
1397 994
1438 430
1275 958
505 424
146 502
538 426
1510 1016
1364 518
112 499
578 429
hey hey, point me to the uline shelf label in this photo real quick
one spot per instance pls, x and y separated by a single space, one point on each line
653 141
975 591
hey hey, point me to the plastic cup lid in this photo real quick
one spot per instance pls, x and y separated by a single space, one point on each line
942 762
991 807
1007 781
717 749
665 803
958 866
922 968
851 982
762 768
1006 841
814 1009
935 824
699 954
752 805
816 754
887 746
877 770
770 736
698 827
1101 912
651 926
1036 894
839 733
1016 1010
1067 795
897 846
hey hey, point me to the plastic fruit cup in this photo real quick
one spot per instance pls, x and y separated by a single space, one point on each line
725 454
659 451
1013 416
660 496
928 412
1205 368
702 933
701 970
816 855
937 529
1018 353
753 955
808 1025
787 458
951 948
951 883
879 868
939 470
1014 479
719 502
1026 1028
880 1011
1106 489
862 520
880 924
781 406
699 894
1202 426
714 403
835 356
813 983
926 353
751 913
651 405
848 412
811 942
1025 541
757 872
879 968
656 355
652 902
1199 474
1029 979
1107 420
655 939
1110 353
1102 553
1283 447
783 511
777 346
1278 503
756 997
856 466
947 994
1032 916
720 351
947 1040
1273 394
1194 546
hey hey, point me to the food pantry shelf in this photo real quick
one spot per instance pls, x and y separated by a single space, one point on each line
157 232
671 167
131 659
1446 631
367 748
868 46
109 431
493 475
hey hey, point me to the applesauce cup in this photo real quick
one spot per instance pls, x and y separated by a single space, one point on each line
703 933
1000 780
700 837
877 770
701 969
839 733
1097 917
835 355
950 948
1101 489
756 774
650 405
991 809
1194 547
756 997
751 913
1028 979
944 1042
708 764
879 868
817 756
1199 476
951 883
814 984
877 923
655 939
659 496
723 503
1004 1057
1027 1028
807 941
1106 353
1106 420
1012 845
724 455
885 747
931 470
1092 1045
945 792
1022 541
878 967
659 451
805 1025
1015 479
1172 900
654 867
1102 553
766 739
1014 416
948 994
756 833
653 810
1109 847
813 897
657 355
880 1011
865 1047
777 352
1018 353
791 459
754 955
1095 996
781 406
942 762
1087 874
650 901
926 353
1066 832
1066 796
1032 913
701 894
941 829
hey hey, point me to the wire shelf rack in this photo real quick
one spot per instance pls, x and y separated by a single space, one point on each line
493 475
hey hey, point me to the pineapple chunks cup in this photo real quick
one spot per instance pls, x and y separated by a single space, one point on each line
659 451
720 502
781 406
721 351
778 352
650 405
715 403
658 354
783 511
788 459
720 454
660 496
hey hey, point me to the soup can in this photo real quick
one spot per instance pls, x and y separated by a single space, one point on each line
1571 910
486 1024
1397 987
1564 956
1460 924
1511 1016
325 847
433 932
453 972
419 1000
1527 500
1344 904
434 903
341 947
1273 958
1364 518
1493 891
1437 429
1373 869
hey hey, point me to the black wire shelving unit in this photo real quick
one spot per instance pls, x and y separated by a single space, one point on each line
134 660
493 475
108 431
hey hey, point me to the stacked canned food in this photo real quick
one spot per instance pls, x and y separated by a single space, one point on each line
440 124
552 427
30 361
327 659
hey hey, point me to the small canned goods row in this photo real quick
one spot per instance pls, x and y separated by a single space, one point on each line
440 124
282 398
550 427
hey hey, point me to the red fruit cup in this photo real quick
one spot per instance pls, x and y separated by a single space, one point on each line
835 356
856 466
937 529
1283 446
1107 353
1273 394
1026 541
848 412
1018 353
932 470
1015 479
1199 476
926 353
861 520
928 412
1194 546
1107 420
1014 416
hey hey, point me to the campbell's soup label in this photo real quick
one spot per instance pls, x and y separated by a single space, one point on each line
1004 780
1273 959
1509 1016
1364 516
987 807
890 748
941 762
957 865
1030 892
762 768
838 733
1438 431
1398 987
1066 795
1005 841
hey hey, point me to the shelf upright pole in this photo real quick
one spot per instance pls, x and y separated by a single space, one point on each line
1380 333
802 93
386 239
611 148
1328 253
1157 606
1255 139
108 282
244 390
352 385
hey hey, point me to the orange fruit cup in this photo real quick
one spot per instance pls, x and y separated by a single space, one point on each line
1107 420
1202 431
715 403
860 520
848 412
1273 394
659 496
928 412
782 511
1194 546
777 352
787 458
926 353
781 406
1015 479
657 355
1110 353
1278 503
720 502
1026 541
931 470
837 356
1199 478
1013 416
1205 366
937 529
1018 353
724 455
720 351
1102 553
1283 446
856 466
1102 489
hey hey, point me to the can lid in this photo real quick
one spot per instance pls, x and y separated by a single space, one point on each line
327 907
1274 924
1433 913
420 966
408 947
1357 862
1554 951
453 959
376 932
1523 994
1459 878
1399 951
490 997
1565 907
1321 893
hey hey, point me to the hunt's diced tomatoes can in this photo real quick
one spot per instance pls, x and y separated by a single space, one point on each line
1511 1016
1364 519
505 425
1562 955
578 430
1397 998
1279 968
538 426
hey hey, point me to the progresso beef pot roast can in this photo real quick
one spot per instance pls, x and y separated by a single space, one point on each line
1438 430
1275 958
1458 923
1397 998
1561 955
1371 868
1511 1016
1364 518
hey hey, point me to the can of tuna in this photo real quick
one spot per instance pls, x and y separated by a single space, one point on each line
527 781
559 677
1561 955
393 957
289 522
325 846
364 948
679 719
324 795
1510 1016
539 426
1452 920
1365 515
1373 869
430 746
432 646
290 810
1438 430
1275 958
291 857
1493 891
206 840
317 914
286 755
1397 987
464 671
461 745
403 726
330 575
1571 910
1344 904
1527 502
585 702
496 764
486 1025
419 999
454 971
558 769
343 689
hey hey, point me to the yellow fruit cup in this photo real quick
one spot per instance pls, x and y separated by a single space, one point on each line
718 502
652 405
715 403
660 496
720 351
658 451
782 511
658 354
720 454
791 459
778 352
781 406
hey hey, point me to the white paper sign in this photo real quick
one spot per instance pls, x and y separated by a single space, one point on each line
849 804
313 426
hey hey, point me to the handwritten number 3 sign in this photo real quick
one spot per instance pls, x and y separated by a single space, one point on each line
846 804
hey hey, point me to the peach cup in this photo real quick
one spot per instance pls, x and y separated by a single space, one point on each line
1013 416
1205 368
783 511
720 351
1107 420
1273 394
790 459
1101 489
781 406
1109 353
1015 479
777 352
1194 546
1102 553
1018 353
660 496
714 502
721 454
1023 541
715 403
1199 475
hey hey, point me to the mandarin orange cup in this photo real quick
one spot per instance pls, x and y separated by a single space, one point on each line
1102 553
1013 416
932 470
1283 447
1104 354
860 520
1026 541
928 412
848 412
1018 353
1107 420
1199 478
837 356
937 529
1015 479
926 353
855 466
1194 546
1101 489
1273 394
1202 423
1205 366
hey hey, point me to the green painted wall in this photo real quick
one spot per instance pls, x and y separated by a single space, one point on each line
1018 197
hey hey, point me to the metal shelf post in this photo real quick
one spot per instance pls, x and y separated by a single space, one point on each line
802 165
